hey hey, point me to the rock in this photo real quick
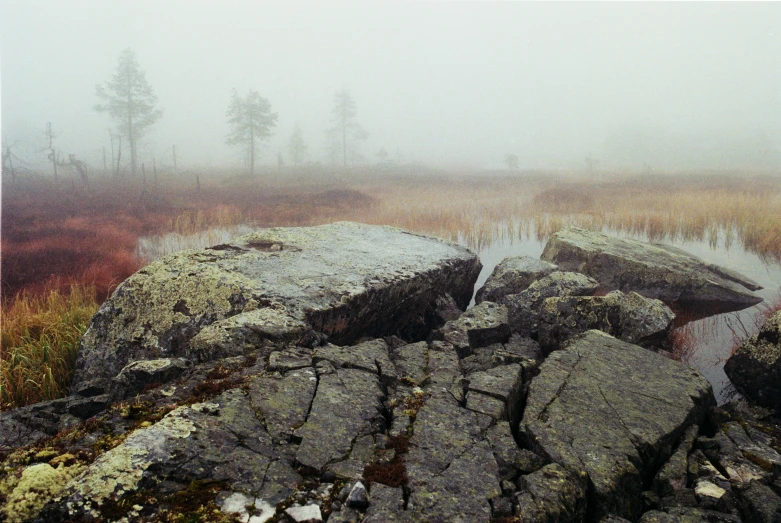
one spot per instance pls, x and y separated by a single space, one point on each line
652 270
759 504
267 328
552 494
219 440
523 309
727 457
708 493
688 515
387 504
410 361
501 507
518 349
755 368
674 474
480 326
291 358
134 377
347 404
305 514
629 317
452 471
284 401
445 309
358 497
612 410
504 383
343 280
370 356
247 508
511 276
755 451
510 459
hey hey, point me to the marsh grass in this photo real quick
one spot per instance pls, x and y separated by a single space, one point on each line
55 237
40 338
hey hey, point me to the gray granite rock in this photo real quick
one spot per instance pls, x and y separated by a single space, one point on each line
343 280
511 276
523 309
652 270
346 405
552 494
755 368
629 317
480 326
612 410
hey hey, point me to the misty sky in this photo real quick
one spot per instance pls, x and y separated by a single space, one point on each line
667 85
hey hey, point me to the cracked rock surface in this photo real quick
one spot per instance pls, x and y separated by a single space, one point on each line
612 410
344 280
264 418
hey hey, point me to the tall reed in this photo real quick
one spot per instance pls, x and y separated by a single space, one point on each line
39 341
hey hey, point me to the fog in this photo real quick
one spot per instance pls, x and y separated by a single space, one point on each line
636 86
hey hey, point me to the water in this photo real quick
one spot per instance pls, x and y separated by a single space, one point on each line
714 337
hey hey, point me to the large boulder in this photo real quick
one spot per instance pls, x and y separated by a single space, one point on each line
524 308
755 368
511 276
613 411
653 270
284 285
629 317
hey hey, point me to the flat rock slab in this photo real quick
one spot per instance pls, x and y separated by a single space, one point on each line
452 471
653 270
612 410
346 404
345 280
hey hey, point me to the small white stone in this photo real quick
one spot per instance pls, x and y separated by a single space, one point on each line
237 503
309 513
263 511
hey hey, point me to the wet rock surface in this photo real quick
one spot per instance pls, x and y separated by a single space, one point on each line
652 270
755 368
265 420
344 280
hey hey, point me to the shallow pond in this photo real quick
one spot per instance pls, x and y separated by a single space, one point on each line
713 338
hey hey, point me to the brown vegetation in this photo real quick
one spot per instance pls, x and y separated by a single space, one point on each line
56 236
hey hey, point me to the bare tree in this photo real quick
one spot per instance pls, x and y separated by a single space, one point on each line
129 99
250 119
511 161
297 147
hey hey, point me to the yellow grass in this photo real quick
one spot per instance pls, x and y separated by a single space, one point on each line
40 338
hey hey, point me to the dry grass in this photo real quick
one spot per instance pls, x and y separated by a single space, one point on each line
54 237
40 338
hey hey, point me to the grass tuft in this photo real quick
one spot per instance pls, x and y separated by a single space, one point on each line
40 339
